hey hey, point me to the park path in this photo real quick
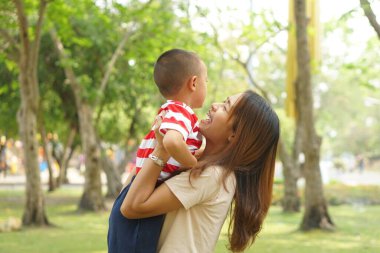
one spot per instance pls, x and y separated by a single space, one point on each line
75 177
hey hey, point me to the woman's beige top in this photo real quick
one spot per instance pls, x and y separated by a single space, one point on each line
196 227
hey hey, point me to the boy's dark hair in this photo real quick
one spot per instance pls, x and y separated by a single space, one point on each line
173 68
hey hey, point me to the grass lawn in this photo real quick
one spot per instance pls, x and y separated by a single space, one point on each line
358 229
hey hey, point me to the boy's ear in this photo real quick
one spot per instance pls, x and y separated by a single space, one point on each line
192 83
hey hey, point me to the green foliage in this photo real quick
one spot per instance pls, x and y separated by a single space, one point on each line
91 36
8 19
9 97
57 99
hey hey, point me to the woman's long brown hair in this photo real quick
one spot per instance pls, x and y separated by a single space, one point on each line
251 157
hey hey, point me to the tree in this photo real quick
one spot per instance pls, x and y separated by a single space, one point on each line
316 212
86 101
34 213
89 99
366 6
92 195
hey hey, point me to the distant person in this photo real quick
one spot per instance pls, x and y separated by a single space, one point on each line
360 163
181 78
3 156
81 166
56 148
235 171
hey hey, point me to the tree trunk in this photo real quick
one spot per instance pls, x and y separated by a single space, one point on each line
92 198
67 152
34 212
316 214
114 184
291 200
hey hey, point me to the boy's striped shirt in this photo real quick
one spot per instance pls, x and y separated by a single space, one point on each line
179 117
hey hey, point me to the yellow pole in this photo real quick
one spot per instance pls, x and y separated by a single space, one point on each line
291 57
291 65
314 33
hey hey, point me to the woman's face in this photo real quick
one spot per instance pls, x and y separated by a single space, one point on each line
216 127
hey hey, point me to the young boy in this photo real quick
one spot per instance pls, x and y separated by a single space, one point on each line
181 77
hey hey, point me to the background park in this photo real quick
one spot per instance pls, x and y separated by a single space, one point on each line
77 95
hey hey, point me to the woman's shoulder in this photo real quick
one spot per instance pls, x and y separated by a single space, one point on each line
210 177
216 170
220 174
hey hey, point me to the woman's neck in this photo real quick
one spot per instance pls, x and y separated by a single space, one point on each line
212 148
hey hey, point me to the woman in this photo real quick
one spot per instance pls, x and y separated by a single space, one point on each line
236 170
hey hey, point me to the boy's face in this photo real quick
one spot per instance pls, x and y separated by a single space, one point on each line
201 91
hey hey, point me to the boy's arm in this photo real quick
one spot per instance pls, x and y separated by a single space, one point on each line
177 148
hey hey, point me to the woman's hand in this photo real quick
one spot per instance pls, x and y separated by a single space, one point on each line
157 124
159 149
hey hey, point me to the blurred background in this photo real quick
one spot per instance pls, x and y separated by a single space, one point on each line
77 96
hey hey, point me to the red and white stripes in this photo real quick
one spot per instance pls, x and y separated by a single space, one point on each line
179 117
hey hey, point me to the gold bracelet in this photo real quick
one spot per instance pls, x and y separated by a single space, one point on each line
157 160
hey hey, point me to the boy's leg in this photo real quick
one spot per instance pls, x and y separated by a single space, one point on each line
149 233
122 232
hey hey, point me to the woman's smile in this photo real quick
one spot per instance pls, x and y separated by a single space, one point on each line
208 119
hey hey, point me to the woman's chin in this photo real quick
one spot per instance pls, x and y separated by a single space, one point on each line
204 124
205 121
